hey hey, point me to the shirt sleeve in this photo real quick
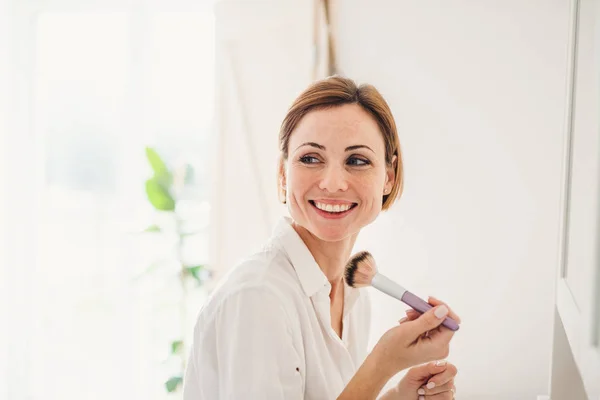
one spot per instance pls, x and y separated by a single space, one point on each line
252 355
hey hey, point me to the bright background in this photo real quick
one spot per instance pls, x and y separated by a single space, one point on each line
478 91
91 84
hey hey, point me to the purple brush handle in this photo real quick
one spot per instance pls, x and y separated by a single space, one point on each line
422 306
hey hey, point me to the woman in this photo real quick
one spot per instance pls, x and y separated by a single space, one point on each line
283 324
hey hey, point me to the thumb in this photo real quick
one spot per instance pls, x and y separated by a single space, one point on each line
429 320
422 373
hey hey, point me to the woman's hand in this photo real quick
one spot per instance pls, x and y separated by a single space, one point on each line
418 339
431 381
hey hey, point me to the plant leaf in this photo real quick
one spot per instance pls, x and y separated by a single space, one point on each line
162 174
173 383
158 196
153 228
187 234
158 165
176 346
195 272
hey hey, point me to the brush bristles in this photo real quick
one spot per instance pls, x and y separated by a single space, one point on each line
360 270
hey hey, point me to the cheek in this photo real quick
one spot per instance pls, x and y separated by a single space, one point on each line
298 181
370 186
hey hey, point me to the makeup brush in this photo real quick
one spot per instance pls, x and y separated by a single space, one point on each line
361 271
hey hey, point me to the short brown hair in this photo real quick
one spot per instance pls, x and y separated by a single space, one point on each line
335 91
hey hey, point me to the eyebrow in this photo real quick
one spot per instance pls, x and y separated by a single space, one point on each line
321 147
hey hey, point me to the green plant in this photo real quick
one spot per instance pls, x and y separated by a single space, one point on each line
163 190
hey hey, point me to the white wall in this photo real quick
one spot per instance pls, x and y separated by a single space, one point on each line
478 91
565 379
17 205
264 60
578 279
4 101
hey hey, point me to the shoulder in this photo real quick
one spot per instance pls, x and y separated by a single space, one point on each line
268 271
264 281
269 268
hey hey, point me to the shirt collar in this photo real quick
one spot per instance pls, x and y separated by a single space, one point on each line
310 275
312 279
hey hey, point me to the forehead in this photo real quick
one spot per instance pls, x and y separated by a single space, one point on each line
342 124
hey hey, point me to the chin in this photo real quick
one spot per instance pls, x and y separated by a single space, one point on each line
333 232
331 236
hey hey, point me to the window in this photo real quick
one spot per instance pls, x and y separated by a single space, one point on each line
106 82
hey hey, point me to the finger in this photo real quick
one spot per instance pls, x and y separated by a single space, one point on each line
436 302
444 376
429 390
446 394
441 335
423 373
412 314
428 321
437 344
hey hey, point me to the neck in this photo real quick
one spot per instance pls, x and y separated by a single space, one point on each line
330 256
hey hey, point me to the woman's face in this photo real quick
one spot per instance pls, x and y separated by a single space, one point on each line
336 175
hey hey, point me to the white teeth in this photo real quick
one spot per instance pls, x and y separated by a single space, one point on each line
333 208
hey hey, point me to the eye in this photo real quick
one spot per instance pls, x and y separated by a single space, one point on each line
358 162
309 160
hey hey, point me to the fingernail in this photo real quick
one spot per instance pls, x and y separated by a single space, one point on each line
430 385
421 391
403 319
441 312
440 363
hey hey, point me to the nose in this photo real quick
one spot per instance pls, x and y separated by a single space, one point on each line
334 179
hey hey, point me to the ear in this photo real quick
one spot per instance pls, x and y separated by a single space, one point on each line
281 174
390 177
281 181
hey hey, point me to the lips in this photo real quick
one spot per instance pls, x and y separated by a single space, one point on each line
333 210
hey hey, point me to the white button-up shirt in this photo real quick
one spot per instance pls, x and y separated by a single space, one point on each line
265 332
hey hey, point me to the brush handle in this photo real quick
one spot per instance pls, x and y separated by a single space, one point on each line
387 286
422 306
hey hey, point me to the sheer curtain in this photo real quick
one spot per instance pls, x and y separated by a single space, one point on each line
266 56
4 101
92 84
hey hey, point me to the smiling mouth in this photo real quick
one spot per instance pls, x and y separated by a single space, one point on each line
333 209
